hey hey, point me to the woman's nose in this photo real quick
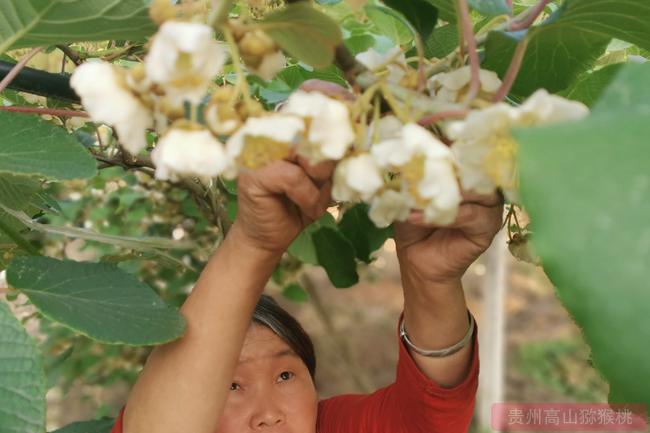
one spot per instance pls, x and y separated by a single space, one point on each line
266 414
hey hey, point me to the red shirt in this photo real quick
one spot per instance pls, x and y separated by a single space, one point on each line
413 404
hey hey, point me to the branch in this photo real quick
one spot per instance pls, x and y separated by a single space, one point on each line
513 70
72 55
531 15
470 40
18 67
41 110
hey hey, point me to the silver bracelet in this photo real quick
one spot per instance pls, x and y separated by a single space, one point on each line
440 352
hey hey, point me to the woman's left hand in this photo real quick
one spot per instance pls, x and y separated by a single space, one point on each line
441 255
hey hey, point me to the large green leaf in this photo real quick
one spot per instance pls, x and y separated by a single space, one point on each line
569 42
22 379
304 33
589 86
33 146
420 13
390 24
441 42
337 256
362 232
98 300
97 426
556 55
25 23
586 186
303 247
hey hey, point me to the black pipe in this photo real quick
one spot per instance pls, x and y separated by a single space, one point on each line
41 83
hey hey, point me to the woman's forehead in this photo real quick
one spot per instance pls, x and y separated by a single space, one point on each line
262 343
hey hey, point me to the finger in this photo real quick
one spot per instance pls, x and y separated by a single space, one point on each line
471 217
320 172
489 200
328 88
282 177
476 219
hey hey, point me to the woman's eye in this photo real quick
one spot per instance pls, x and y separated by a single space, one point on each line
234 386
285 375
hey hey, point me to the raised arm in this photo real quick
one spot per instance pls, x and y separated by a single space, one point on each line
184 384
432 262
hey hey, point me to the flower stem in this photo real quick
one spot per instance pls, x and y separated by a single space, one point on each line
219 14
18 67
513 70
531 15
40 111
443 115
470 40
394 105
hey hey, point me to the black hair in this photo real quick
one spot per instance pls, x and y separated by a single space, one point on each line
270 314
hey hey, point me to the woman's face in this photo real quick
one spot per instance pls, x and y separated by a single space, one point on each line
272 389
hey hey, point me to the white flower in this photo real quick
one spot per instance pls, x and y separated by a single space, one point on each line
106 97
485 149
189 153
390 206
183 60
440 187
356 178
453 86
263 139
394 61
542 108
413 140
386 128
330 131
270 65
426 167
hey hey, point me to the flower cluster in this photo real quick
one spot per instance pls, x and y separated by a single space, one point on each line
203 131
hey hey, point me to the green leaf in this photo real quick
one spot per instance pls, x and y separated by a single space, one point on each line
420 13
22 379
441 42
569 42
97 426
390 24
556 55
586 186
337 256
295 292
32 146
491 8
588 88
446 10
628 20
98 300
303 247
27 23
16 192
305 33
295 75
362 232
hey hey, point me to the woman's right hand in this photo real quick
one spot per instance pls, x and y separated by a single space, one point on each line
277 201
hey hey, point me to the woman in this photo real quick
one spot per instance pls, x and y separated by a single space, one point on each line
230 374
